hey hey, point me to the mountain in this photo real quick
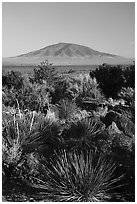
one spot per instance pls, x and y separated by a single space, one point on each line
66 54
65 50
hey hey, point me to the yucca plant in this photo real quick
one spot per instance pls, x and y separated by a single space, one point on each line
45 138
27 133
77 177
83 134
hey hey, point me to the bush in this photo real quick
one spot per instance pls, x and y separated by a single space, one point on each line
129 75
109 78
88 88
67 110
76 88
45 72
128 94
12 79
62 89
31 97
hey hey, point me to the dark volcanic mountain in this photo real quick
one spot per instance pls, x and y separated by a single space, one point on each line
65 53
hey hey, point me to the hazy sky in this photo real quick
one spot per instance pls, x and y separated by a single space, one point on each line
107 27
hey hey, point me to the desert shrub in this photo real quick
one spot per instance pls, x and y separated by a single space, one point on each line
31 97
23 95
34 97
8 97
128 94
109 78
129 75
12 79
77 177
75 87
87 87
112 78
45 72
67 110
62 89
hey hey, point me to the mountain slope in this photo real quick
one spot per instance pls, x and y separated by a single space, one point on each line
65 50
65 53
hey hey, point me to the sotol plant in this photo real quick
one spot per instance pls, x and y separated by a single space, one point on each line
25 134
77 177
83 134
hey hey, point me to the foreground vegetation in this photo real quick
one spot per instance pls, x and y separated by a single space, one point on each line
69 138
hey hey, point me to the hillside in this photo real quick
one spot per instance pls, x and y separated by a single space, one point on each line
65 54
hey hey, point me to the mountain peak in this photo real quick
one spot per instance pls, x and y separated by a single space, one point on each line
62 49
66 53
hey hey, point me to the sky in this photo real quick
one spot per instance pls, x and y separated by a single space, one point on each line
103 26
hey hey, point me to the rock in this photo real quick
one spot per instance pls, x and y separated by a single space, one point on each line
112 129
122 122
118 139
126 125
